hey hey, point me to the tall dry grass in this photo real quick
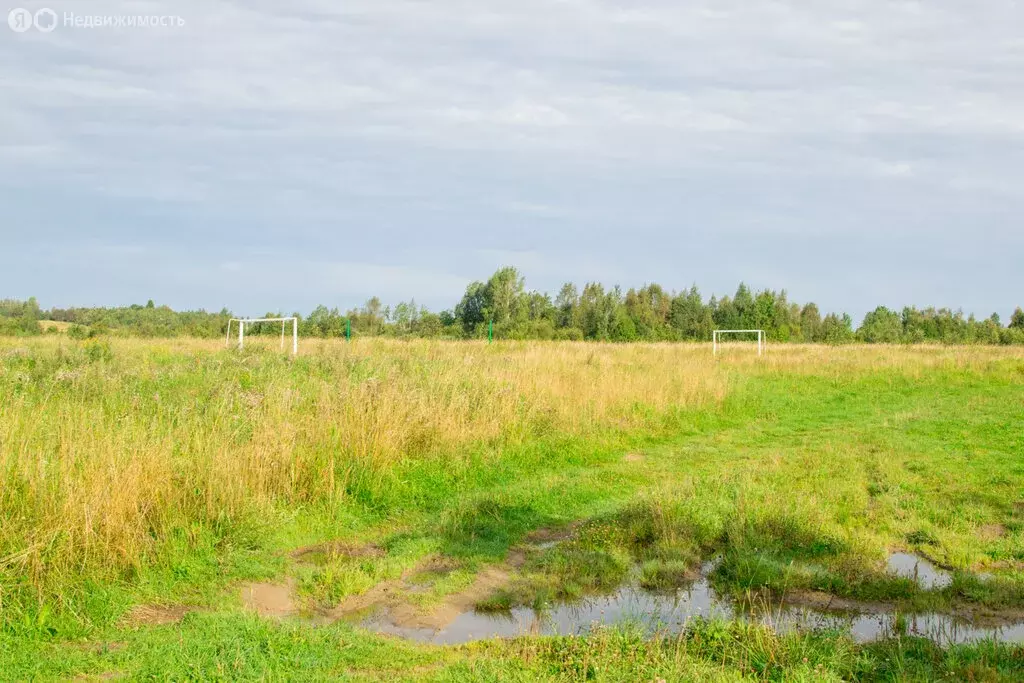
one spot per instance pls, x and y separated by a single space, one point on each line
109 448
106 448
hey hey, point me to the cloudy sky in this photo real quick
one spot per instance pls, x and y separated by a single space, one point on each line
274 155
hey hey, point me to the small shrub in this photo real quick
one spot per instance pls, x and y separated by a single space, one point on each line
921 537
79 332
98 351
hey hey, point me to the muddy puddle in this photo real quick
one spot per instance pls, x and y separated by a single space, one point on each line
919 570
672 612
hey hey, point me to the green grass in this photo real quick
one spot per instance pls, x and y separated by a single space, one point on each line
231 646
803 476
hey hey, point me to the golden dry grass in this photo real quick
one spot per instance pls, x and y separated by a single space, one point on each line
109 448
104 451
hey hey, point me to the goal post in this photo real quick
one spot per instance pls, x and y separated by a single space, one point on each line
715 335
242 322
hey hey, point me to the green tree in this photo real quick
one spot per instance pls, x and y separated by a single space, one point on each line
881 326
724 314
837 329
1017 319
471 310
650 308
763 314
596 309
810 323
623 329
743 305
504 301
691 319
566 305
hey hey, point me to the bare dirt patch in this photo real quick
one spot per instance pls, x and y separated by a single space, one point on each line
632 457
381 595
549 535
976 615
325 552
489 580
991 532
819 600
270 600
517 558
987 617
391 597
156 615
437 564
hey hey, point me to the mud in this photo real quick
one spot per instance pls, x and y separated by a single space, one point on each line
270 600
549 536
827 602
389 598
322 553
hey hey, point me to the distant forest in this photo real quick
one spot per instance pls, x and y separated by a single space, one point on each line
650 313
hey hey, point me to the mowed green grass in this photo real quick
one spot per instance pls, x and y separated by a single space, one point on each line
802 471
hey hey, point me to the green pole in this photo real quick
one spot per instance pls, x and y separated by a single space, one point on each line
348 330
490 332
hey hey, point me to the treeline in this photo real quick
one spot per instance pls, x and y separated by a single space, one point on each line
149 320
502 306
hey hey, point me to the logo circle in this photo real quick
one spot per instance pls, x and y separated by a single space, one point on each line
19 19
45 20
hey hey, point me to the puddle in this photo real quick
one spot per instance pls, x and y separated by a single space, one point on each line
384 609
922 572
672 612
655 612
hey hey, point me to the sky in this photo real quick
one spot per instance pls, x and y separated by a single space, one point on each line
272 156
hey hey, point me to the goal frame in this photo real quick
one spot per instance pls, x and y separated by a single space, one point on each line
241 331
760 339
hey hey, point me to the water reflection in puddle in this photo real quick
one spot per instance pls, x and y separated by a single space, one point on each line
919 570
672 612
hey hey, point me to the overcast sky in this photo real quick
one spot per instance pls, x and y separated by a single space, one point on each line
273 155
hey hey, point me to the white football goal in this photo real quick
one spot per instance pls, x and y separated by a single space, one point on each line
715 343
242 322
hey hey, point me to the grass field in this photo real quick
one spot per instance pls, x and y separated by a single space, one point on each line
144 483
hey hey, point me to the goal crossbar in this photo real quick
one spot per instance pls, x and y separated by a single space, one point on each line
241 330
717 333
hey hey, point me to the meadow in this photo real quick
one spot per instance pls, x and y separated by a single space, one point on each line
144 485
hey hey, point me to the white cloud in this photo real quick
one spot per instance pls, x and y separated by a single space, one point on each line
313 125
